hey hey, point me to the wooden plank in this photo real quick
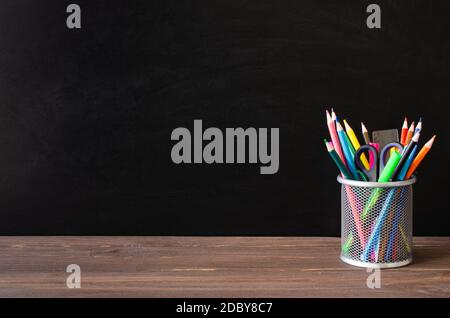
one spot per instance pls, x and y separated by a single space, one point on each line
210 267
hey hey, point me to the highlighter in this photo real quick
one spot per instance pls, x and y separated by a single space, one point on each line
389 169
385 176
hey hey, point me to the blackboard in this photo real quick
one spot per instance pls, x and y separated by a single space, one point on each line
86 115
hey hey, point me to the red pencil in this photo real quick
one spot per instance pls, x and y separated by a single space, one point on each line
404 132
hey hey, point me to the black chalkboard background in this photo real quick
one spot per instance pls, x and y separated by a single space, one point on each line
86 115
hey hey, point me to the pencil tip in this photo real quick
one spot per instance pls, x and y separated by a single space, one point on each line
405 124
430 142
347 126
329 145
329 119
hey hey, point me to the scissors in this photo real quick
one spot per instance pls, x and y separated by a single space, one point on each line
387 151
378 162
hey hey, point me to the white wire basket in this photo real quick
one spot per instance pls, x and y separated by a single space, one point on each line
376 229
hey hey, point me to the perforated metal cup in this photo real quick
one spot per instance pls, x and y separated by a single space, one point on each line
376 229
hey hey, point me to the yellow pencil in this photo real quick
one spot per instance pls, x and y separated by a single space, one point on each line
351 135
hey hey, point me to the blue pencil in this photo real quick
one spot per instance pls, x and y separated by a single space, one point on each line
396 220
394 229
408 162
347 152
383 214
375 235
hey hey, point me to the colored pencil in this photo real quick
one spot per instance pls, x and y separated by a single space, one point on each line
419 126
335 138
402 173
349 193
355 142
365 133
349 144
374 235
410 134
383 236
348 243
393 234
355 213
405 153
409 155
342 168
404 239
347 150
404 132
420 156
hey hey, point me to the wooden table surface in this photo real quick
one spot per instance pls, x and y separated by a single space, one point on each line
210 267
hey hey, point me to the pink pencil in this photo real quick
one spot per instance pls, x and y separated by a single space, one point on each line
335 138
349 192
356 217
371 158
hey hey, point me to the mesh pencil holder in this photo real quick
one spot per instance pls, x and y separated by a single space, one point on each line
376 229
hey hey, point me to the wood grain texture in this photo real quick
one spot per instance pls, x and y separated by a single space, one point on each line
210 267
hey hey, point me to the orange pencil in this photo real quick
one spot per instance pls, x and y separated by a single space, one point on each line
410 134
418 159
404 132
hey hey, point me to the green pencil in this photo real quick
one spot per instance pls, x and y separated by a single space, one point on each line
337 160
348 243
350 146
